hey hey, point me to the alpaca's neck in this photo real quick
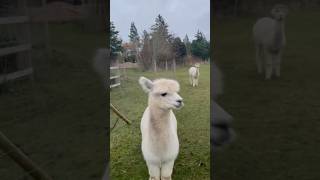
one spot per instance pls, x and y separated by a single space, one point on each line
159 118
197 72
278 34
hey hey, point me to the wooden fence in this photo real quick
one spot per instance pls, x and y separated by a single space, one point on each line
115 76
15 49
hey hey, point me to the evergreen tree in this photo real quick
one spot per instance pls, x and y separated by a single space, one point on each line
134 36
200 46
179 48
115 41
135 40
161 47
160 27
187 44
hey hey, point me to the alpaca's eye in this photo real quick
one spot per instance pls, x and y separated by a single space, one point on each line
163 94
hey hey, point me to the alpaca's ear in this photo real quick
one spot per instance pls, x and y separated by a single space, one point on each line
146 84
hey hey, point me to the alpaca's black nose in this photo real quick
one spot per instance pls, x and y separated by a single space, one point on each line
179 101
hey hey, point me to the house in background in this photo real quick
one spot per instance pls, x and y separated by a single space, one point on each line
130 53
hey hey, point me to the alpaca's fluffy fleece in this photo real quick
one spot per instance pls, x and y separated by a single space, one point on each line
194 73
160 144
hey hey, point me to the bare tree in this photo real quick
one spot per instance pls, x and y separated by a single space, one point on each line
160 50
146 52
160 43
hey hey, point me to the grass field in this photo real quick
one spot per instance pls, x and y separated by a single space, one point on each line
277 121
193 119
60 119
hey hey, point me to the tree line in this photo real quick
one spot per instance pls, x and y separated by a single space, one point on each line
159 49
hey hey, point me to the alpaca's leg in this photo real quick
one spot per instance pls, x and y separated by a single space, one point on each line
190 80
277 64
154 171
166 170
259 58
268 64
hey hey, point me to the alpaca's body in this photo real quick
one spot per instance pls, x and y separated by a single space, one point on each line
269 38
194 73
160 144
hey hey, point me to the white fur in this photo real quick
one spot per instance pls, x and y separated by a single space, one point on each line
269 38
160 144
194 73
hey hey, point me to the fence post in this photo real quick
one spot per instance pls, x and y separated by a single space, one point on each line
21 159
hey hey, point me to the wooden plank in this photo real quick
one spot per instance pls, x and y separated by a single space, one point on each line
120 115
114 67
21 159
114 77
14 20
15 75
15 49
114 85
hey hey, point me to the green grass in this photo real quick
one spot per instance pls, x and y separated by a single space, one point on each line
60 119
277 121
193 119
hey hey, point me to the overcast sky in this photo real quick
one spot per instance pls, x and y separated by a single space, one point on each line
183 16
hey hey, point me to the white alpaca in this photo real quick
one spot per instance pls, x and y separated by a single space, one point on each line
160 144
194 73
269 38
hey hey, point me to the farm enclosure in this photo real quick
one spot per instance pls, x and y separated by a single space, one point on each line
193 119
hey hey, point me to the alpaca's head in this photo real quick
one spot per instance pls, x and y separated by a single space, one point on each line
163 93
197 65
279 12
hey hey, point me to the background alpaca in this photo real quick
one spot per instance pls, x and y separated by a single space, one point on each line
269 38
194 73
160 144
